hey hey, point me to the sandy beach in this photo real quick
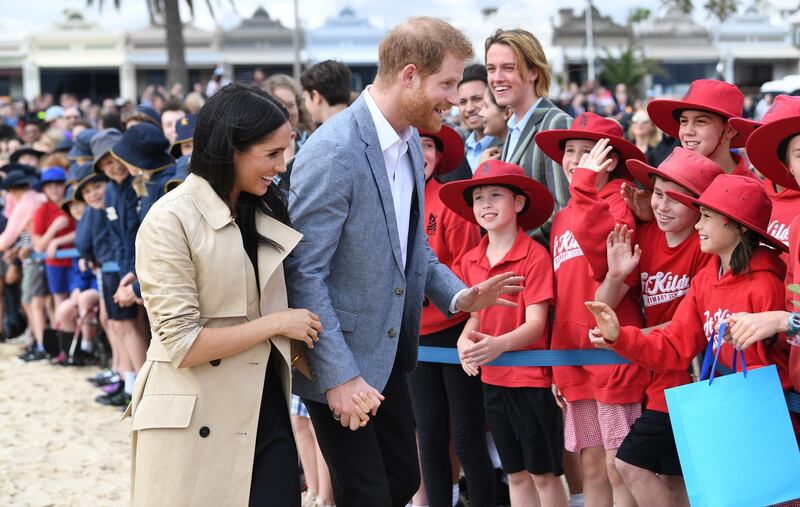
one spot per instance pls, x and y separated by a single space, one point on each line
58 447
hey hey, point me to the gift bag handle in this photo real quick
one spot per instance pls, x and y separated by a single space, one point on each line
736 352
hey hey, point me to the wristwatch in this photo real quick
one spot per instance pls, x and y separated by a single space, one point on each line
794 324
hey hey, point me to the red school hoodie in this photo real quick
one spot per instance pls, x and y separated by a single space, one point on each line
785 206
709 300
590 215
794 275
666 274
450 237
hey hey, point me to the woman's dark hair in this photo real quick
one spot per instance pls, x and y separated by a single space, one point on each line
740 258
232 120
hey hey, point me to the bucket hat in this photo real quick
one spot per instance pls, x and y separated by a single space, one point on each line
25 150
85 174
766 146
82 147
450 145
740 198
181 172
50 175
539 202
69 198
591 127
184 132
688 169
101 144
718 97
18 175
144 147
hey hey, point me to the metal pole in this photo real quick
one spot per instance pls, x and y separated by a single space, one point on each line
589 41
296 41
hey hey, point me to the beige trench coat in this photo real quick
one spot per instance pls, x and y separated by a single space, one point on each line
194 429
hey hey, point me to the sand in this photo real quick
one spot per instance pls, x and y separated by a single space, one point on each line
57 445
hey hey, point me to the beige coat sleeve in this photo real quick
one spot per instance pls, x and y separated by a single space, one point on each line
166 274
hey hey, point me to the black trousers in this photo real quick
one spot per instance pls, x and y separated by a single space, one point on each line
374 466
448 403
276 476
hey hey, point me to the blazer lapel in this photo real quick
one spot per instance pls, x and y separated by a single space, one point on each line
376 163
530 129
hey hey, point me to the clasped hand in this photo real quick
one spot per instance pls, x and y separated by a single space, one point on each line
353 402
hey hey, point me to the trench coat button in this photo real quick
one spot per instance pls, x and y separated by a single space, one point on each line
216 362
399 291
392 333
204 431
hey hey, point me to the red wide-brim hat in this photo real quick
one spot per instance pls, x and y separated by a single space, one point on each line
769 138
688 169
539 207
740 198
718 97
450 145
591 127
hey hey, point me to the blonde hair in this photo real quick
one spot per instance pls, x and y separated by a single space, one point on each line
655 134
528 54
423 42
284 81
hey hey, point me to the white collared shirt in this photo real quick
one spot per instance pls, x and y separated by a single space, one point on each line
398 167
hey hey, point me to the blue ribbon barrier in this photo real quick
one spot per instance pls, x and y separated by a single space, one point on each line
68 253
580 357
586 357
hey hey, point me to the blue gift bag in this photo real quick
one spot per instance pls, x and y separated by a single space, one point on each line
734 437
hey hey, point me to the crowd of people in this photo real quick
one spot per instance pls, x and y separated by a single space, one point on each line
592 197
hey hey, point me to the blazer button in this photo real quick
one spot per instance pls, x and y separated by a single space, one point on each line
392 333
399 291
204 431
216 362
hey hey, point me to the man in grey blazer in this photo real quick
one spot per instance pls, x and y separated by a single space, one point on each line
364 264
525 91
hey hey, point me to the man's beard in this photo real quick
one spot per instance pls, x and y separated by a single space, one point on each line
420 111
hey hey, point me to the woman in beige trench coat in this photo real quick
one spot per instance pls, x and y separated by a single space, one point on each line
210 423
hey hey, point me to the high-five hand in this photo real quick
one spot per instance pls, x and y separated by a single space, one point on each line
488 292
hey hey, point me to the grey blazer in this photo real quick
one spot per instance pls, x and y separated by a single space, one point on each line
348 268
539 166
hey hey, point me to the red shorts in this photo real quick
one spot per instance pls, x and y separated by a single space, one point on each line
590 423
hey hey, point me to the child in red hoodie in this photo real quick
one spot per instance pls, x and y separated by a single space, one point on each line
602 402
523 417
670 259
774 150
743 276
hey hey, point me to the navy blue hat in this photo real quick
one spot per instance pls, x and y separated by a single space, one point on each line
151 114
69 197
29 169
144 147
18 175
82 147
184 131
181 172
51 175
64 145
85 174
101 143
25 150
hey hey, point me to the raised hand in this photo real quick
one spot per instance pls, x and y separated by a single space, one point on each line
607 323
597 159
622 260
638 200
488 292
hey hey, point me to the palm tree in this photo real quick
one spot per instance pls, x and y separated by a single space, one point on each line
720 9
629 68
166 13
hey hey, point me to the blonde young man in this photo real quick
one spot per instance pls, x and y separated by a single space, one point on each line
519 77
364 265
